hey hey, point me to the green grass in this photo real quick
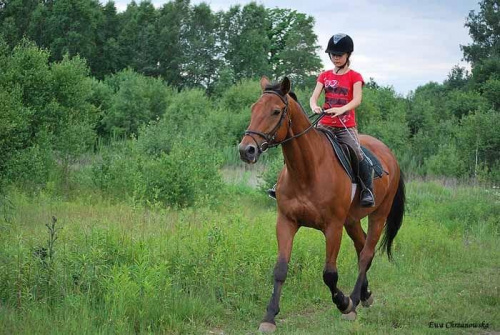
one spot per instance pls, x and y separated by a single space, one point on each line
120 269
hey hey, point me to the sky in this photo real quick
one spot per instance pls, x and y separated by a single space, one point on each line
398 43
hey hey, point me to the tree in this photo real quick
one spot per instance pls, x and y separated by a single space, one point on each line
479 140
15 16
172 25
293 46
484 28
201 61
457 78
245 41
137 100
137 39
72 27
107 48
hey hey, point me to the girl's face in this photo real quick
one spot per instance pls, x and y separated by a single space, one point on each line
338 60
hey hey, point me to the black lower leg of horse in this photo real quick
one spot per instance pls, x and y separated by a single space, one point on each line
360 291
358 236
330 277
280 273
365 294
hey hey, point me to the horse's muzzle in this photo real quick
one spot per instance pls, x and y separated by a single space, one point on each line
249 153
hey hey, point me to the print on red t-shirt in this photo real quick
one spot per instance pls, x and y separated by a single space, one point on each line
339 92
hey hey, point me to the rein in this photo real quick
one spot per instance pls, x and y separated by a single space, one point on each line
270 137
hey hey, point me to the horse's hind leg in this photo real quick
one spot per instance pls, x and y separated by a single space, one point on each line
358 236
285 232
333 235
375 227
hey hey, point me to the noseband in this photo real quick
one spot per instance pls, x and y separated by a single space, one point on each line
269 138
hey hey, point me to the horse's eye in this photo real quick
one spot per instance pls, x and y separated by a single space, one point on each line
276 111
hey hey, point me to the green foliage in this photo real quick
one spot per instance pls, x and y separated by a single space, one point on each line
292 53
31 168
189 173
269 177
479 140
137 101
231 117
184 174
446 162
14 125
72 27
187 45
245 40
484 31
126 269
383 115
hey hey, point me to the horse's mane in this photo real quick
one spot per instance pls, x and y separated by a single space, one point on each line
276 87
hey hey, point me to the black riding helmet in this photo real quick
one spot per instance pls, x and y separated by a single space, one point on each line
340 44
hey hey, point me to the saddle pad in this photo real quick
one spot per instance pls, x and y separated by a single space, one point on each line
346 162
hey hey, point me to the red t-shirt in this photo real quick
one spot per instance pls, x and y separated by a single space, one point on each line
339 92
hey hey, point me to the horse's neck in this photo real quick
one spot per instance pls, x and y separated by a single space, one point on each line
303 154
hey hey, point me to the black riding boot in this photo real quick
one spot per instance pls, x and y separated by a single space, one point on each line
367 198
272 192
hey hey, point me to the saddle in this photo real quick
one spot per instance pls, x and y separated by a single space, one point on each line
348 159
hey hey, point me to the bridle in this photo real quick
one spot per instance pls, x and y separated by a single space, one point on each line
271 136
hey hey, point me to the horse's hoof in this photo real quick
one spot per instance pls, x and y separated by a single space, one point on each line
349 307
368 302
351 316
267 327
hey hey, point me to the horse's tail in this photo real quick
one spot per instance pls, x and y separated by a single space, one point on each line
395 218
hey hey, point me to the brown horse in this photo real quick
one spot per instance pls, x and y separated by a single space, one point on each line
314 191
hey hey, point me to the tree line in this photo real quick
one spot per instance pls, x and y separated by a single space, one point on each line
185 45
158 133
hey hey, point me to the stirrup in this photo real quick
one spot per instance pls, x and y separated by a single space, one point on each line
367 202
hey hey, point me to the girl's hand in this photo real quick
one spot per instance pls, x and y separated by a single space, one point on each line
335 111
317 110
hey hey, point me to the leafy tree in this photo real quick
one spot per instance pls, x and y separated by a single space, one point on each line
245 41
138 100
463 102
479 140
15 16
172 24
293 46
107 47
383 115
38 29
231 117
72 27
491 89
14 124
201 63
484 28
137 38
457 78
27 69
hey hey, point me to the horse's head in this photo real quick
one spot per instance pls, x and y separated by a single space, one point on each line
269 122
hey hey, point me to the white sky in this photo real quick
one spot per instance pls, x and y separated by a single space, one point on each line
399 43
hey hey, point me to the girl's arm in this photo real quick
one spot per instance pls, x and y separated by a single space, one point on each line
357 95
313 101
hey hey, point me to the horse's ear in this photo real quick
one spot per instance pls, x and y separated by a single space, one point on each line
285 85
264 81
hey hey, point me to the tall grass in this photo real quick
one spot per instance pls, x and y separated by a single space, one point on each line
117 268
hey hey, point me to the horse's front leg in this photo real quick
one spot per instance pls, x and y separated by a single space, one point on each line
285 232
333 235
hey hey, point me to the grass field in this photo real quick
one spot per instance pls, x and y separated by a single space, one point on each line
118 268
